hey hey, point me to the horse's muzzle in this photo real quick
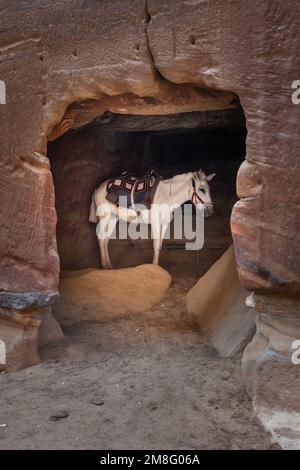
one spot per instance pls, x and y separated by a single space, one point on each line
208 210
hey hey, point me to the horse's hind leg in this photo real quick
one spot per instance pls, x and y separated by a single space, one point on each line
112 225
102 234
107 258
103 253
106 228
105 261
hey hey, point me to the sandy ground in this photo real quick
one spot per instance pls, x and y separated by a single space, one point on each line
150 381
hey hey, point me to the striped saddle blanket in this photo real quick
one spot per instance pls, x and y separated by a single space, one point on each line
132 189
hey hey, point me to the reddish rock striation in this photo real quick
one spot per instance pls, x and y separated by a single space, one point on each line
169 99
65 63
147 55
249 51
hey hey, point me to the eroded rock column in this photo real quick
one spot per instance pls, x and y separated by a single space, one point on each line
19 333
271 365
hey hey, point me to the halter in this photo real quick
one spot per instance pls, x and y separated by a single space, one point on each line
195 196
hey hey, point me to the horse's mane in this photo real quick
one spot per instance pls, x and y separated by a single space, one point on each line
177 178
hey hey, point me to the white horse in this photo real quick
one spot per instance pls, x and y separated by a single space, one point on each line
170 194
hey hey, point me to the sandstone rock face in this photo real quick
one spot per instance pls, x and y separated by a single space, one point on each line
19 338
146 57
49 331
145 49
271 364
101 295
22 333
218 302
169 99
226 57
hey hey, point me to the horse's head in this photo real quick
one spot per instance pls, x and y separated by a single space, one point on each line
201 191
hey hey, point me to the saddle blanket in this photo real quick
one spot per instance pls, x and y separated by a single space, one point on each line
132 188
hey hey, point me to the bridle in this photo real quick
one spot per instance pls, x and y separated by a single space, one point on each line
195 196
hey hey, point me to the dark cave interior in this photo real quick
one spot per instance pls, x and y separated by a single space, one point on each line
83 158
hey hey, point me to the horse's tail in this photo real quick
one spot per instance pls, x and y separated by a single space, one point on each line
93 211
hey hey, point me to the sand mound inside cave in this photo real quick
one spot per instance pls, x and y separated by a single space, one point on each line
100 295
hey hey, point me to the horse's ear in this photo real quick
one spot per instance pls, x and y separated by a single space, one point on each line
210 177
195 175
201 174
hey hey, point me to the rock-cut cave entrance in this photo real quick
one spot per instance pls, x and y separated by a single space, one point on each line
81 159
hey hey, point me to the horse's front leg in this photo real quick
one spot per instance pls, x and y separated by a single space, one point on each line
164 228
156 236
161 224
156 248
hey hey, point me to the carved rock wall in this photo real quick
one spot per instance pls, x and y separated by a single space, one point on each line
250 51
55 54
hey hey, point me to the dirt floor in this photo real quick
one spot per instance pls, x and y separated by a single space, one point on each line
150 381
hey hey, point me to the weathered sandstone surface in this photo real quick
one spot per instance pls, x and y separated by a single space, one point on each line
168 56
218 302
64 63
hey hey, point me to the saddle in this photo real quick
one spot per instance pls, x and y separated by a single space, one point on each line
134 190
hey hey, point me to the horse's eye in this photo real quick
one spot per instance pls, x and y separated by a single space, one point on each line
202 190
